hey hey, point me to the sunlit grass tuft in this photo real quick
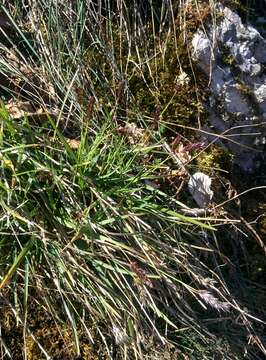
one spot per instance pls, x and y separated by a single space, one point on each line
92 233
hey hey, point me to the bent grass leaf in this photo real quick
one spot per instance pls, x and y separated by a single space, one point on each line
16 263
164 211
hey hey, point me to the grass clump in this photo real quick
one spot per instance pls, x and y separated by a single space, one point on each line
81 226
94 245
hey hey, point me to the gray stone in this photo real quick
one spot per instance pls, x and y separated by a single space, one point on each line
203 51
260 94
234 101
238 91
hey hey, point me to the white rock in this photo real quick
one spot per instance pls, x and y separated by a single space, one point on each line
260 94
238 85
202 51
199 186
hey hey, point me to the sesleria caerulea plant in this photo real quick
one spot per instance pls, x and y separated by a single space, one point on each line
85 234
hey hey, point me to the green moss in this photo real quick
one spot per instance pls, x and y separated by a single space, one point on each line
56 338
214 158
159 87
151 70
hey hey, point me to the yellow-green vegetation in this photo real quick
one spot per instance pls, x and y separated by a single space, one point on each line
152 73
99 125
214 158
58 338
168 86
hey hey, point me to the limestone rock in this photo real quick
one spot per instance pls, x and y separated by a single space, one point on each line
199 186
233 55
